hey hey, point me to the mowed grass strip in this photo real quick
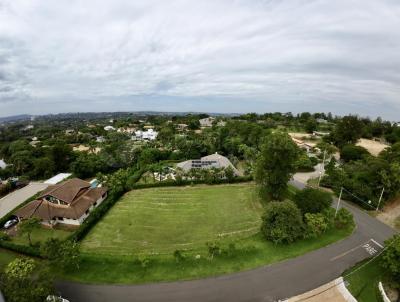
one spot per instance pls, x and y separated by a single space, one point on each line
161 220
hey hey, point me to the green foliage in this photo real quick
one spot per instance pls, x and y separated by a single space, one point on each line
179 257
274 170
316 224
305 163
311 125
24 280
347 131
352 152
282 222
391 258
311 200
63 255
28 225
213 249
344 219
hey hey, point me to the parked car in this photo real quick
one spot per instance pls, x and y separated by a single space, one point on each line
55 299
10 223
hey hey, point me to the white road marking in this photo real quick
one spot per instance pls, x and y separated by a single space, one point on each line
377 243
367 246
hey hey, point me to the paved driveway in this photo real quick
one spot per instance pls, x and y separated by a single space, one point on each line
268 283
14 199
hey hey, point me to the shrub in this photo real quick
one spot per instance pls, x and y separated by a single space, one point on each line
352 152
344 219
213 249
316 224
179 257
282 222
391 258
312 200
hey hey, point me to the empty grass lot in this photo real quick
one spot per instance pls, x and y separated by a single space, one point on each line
162 220
40 235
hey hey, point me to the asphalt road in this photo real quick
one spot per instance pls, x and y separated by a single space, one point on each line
14 199
268 283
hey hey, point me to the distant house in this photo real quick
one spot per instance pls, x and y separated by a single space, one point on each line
100 139
304 145
211 161
127 130
69 202
320 134
69 131
109 128
181 127
3 164
145 135
28 127
321 121
207 122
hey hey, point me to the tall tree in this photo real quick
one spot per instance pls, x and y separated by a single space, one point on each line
276 165
24 280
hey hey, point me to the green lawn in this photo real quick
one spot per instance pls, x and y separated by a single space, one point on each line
363 283
136 240
41 235
162 220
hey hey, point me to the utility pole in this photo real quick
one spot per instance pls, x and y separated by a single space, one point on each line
338 204
323 168
380 199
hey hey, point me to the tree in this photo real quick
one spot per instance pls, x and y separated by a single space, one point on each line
316 224
311 200
282 222
348 130
276 165
61 254
344 219
27 226
311 125
352 152
391 258
24 280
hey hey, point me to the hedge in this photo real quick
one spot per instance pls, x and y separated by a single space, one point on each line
22 249
173 183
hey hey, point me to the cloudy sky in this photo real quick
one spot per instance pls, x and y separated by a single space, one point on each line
341 56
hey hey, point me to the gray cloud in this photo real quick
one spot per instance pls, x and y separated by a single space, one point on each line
230 56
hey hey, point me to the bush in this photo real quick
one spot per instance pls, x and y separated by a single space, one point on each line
179 257
22 249
312 200
391 258
344 219
213 249
316 224
352 152
282 222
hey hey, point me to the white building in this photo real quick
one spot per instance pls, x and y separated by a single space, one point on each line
145 135
211 161
109 128
3 164
206 122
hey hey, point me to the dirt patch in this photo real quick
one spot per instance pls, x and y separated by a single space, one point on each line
372 146
390 214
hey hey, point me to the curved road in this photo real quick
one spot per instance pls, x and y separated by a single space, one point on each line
268 283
